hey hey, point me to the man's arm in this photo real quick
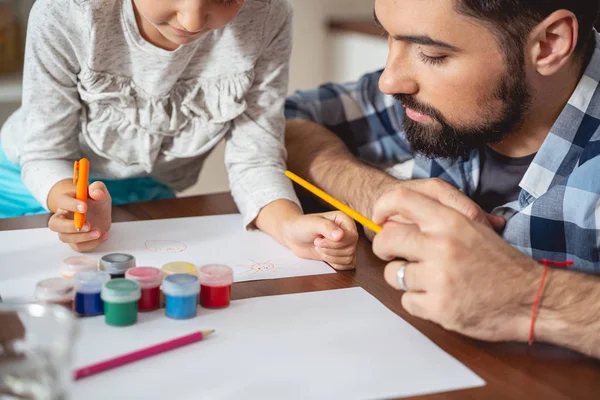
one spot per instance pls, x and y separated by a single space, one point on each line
569 314
318 155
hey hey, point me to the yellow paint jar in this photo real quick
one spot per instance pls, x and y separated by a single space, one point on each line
179 267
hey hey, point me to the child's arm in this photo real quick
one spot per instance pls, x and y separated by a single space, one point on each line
255 159
255 151
51 121
51 109
330 237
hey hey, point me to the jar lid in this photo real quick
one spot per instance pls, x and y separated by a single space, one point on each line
72 265
181 285
215 275
179 267
55 290
90 281
147 277
121 291
117 263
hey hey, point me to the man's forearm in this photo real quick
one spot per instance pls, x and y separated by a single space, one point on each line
318 155
569 313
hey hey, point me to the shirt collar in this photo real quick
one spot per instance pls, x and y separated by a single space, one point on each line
559 154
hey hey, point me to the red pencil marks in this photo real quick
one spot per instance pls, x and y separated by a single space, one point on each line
165 246
258 267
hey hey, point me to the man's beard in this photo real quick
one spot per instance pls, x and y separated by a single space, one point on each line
444 140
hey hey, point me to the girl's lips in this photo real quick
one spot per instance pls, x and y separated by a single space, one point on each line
181 32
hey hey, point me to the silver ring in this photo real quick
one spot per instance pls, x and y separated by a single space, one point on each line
400 278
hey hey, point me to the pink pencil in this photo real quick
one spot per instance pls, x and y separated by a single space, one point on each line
140 354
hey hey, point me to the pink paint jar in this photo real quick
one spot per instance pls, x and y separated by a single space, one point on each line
149 279
72 265
215 286
56 291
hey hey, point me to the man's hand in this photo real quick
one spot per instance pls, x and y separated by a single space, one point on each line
451 197
459 273
445 194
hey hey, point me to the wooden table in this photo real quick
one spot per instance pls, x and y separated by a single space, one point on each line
511 371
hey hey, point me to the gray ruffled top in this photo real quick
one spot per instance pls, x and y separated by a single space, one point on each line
93 87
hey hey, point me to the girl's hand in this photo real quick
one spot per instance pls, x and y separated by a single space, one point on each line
98 211
330 237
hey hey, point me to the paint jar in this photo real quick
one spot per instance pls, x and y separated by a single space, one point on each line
181 295
88 285
56 291
215 286
72 265
179 267
149 279
120 297
116 264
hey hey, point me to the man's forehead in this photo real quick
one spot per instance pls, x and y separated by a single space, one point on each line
434 9
446 5
435 19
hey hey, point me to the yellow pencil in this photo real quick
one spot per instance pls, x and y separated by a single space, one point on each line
361 219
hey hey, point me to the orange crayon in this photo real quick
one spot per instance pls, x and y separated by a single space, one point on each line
81 174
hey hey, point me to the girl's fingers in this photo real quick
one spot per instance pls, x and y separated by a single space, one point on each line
342 267
68 202
98 191
61 224
343 252
80 237
331 244
91 245
345 262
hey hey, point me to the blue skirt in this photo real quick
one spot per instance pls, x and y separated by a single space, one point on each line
16 200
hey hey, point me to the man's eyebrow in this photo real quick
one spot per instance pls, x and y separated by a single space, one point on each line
418 39
425 41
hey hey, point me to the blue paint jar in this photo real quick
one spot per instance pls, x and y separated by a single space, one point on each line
181 295
88 286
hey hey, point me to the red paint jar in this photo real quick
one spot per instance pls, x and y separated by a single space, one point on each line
149 279
215 286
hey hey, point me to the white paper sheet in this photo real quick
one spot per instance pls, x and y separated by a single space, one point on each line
27 256
339 344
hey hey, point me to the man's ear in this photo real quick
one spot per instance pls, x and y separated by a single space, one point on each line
552 42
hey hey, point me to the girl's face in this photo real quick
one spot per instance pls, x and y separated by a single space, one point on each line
171 23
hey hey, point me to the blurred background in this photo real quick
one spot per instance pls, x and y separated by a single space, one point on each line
334 40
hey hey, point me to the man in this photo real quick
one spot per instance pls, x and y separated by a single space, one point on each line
500 100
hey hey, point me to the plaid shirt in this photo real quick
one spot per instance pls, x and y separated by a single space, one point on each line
557 214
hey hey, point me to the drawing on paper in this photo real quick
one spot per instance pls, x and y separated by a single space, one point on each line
165 246
257 267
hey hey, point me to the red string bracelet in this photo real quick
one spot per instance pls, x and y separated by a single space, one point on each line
538 296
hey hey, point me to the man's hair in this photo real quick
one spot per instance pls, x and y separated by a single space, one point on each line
513 20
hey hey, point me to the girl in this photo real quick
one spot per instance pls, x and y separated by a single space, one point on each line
145 89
